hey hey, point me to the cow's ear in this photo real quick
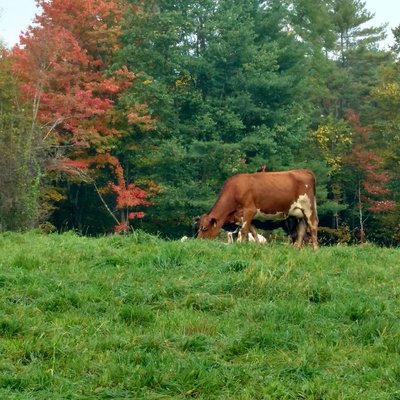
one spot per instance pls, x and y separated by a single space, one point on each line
213 222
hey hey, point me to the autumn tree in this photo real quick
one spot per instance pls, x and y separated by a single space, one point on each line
385 119
365 178
64 66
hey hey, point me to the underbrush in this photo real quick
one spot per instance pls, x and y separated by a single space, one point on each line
136 317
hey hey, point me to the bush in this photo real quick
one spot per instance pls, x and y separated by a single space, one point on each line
329 236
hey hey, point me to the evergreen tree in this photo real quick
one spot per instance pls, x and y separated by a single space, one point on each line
226 81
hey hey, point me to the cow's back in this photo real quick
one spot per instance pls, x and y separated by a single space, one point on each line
270 191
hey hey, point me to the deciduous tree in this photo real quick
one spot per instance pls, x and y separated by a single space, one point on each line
20 155
367 178
64 67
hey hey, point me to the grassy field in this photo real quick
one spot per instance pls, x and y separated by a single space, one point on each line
140 318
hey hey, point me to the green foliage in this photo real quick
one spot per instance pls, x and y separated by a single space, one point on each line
241 322
227 86
386 120
329 236
20 153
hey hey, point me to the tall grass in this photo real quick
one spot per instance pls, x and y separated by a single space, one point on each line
139 318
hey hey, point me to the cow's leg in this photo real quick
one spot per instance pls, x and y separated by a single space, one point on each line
290 227
300 230
313 224
254 233
251 236
248 215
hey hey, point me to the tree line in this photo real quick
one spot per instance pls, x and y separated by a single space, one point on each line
119 114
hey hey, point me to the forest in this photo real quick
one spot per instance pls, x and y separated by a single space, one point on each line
124 114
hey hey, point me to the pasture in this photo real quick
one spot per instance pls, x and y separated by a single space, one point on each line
138 317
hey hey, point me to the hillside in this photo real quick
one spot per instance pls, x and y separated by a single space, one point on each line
137 317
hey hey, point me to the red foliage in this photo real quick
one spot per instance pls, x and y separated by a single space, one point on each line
121 227
382 206
374 188
67 85
129 195
63 64
102 16
81 164
368 166
354 119
133 215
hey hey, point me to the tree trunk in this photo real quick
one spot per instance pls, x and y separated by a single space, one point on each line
360 214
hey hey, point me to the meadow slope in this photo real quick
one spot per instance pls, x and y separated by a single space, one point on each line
137 317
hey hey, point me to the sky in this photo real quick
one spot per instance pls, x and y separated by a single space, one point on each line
16 15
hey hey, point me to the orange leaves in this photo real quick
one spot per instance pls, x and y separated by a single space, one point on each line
134 215
121 227
361 130
81 164
368 168
129 195
62 65
65 69
382 206
139 116
374 188
101 16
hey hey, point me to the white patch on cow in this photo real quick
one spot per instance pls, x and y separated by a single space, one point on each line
260 216
306 185
301 207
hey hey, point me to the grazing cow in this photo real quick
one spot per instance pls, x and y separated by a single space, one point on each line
265 196
289 225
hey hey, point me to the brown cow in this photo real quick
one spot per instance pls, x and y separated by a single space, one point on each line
265 196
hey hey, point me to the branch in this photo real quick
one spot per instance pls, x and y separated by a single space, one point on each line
86 178
55 123
104 202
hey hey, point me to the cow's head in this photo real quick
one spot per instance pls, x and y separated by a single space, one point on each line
207 227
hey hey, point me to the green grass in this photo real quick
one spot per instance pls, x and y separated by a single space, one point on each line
140 318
